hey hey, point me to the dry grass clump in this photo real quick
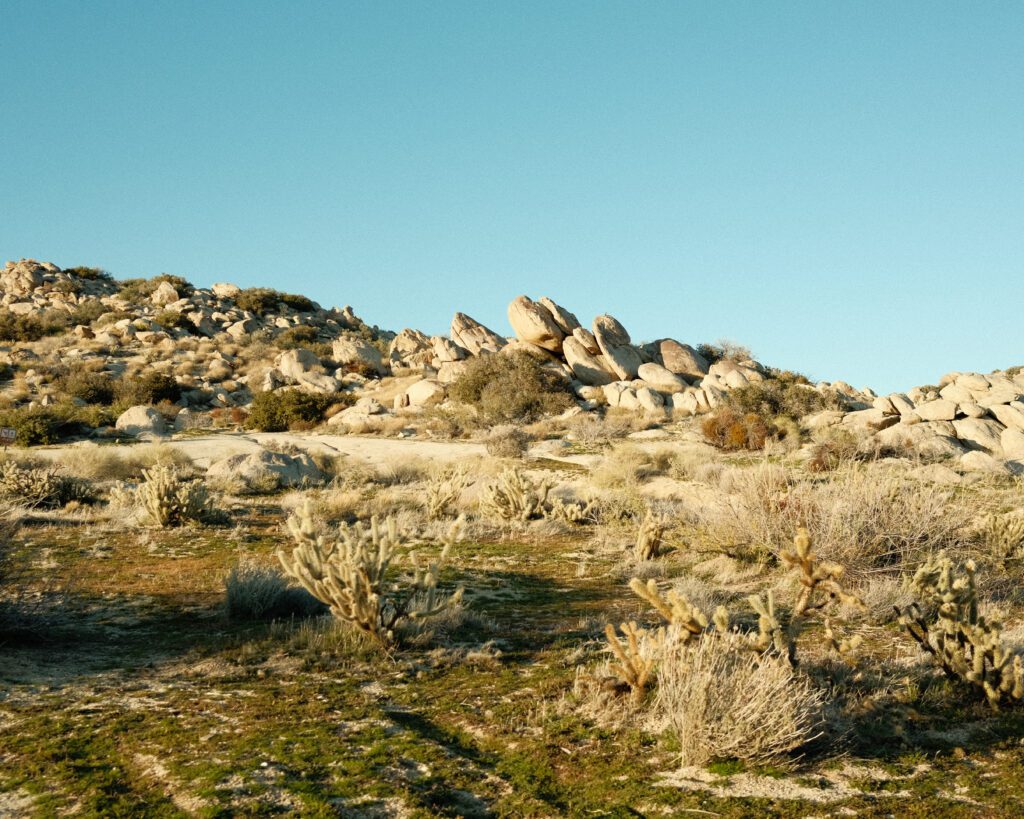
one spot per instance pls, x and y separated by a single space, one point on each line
590 429
507 441
627 465
867 519
256 591
722 701
121 463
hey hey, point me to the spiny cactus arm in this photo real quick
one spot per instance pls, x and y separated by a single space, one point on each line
674 607
633 668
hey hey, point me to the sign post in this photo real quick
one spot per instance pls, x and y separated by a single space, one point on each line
8 435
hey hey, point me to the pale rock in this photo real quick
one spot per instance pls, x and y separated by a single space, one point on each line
661 378
823 419
565 320
451 371
999 395
21 278
613 392
1012 443
941 410
612 338
258 469
243 328
685 403
885 405
83 331
982 462
140 420
901 403
349 351
869 419
304 368
473 336
972 381
590 393
446 350
585 366
226 290
980 433
928 439
650 400
533 323
586 338
972 410
425 393
164 294
410 348
1009 416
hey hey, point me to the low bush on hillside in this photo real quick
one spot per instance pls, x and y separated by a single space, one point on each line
787 394
148 388
281 410
48 425
93 388
90 273
263 300
724 349
731 430
300 336
50 322
513 388
136 290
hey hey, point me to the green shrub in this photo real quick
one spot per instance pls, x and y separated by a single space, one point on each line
282 410
94 274
93 388
300 304
87 312
171 319
33 326
788 394
149 388
36 425
258 300
511 388
301 336
135 290
724 349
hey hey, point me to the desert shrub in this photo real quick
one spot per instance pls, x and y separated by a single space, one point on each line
90 273
286 409
348 569
866 519
507 441
724 349
114 462
173 319
301 336
511 388
256 591
34 425
724 702
33 326
838 447
299 304
150 387
40 487
135 290
164 498
258 300
788 394
728 429
514 495
93 388
87 312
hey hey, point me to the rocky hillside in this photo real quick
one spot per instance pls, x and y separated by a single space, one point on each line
219 348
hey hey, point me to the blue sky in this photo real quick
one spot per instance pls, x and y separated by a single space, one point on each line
840 186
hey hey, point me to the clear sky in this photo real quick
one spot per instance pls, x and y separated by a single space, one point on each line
840 186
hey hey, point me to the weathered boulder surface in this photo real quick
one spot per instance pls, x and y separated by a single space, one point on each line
622 357
348 352
566 321
661 379
267 470
473 336
140 420
587 368
425 393
532 322
681 359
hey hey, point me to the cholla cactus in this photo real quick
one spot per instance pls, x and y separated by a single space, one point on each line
678 611
516 496
1003 536
650 537
39 487
575 512
166 499
816 576
443 490
772 634
946 623
348 570
637 657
